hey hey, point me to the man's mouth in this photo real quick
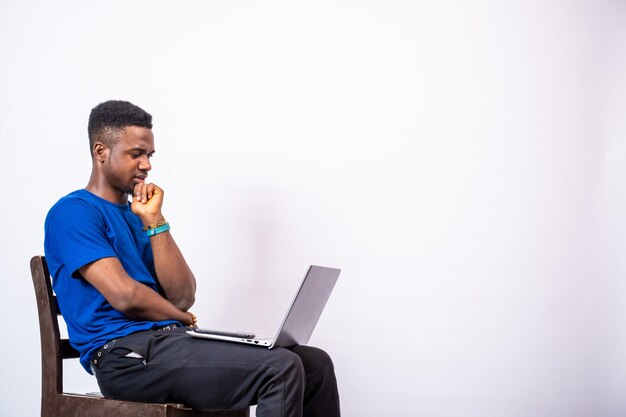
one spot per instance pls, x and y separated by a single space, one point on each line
139 179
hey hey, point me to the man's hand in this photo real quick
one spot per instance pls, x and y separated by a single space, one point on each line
147 202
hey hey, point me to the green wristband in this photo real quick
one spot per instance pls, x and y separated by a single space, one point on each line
163 228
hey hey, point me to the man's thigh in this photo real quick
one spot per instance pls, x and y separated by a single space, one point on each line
172 366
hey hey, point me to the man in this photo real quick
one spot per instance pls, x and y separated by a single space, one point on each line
125 290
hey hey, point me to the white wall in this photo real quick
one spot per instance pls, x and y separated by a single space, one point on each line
463 162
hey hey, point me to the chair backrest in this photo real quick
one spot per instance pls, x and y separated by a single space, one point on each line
53 348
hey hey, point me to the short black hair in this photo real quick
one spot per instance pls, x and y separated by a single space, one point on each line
108 119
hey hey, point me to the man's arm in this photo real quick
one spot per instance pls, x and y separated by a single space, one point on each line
175 277
173 273
129 296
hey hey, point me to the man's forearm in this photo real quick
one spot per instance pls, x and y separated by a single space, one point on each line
129 296
173 273
146 304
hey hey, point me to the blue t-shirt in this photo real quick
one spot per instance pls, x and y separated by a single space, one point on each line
82 228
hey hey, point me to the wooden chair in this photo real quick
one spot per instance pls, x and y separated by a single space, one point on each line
55 402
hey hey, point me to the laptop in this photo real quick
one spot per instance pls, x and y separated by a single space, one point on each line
300 320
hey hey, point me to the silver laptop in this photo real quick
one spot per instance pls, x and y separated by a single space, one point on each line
302 316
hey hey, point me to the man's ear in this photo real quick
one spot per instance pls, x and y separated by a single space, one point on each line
99 151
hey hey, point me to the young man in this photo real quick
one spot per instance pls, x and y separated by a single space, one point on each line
125 290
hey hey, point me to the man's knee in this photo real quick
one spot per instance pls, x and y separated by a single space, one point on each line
315 360
290 364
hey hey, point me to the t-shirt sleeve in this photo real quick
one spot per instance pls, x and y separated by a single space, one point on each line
76 234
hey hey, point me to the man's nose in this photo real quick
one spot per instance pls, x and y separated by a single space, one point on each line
145 164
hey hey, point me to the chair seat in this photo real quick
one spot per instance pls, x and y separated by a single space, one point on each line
83 405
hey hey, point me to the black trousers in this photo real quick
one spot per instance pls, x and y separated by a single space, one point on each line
172 366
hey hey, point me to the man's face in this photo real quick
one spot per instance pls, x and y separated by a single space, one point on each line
128 160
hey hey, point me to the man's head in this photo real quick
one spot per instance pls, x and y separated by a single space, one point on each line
108 120
122 144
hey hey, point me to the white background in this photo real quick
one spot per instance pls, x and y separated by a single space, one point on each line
464 163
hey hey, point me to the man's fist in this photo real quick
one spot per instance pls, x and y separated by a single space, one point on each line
147 202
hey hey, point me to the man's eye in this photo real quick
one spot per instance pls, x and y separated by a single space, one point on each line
135 155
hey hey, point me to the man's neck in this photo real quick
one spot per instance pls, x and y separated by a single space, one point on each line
104 191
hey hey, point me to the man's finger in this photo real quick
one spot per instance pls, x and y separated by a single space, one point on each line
153 189
140 192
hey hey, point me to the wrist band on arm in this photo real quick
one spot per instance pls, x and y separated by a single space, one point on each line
155 225
160 229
